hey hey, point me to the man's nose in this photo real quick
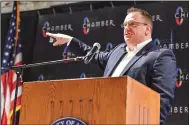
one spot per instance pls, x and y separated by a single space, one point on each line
126 29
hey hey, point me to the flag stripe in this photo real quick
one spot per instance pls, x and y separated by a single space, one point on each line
12 57
18 59
9 118
18 94
2 98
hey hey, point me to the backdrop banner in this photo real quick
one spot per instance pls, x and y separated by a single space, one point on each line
170 30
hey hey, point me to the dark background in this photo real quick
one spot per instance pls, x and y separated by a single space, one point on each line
37 48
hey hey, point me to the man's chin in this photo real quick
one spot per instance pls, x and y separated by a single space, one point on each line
128 40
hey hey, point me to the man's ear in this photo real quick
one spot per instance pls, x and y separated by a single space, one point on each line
148 29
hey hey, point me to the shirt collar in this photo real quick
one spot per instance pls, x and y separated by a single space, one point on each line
139 46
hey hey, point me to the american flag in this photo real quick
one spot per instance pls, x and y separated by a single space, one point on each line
12 56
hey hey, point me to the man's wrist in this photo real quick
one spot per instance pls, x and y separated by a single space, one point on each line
68 43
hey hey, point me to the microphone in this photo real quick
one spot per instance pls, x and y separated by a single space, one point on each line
96 47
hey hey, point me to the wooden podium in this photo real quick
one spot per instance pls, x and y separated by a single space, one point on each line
112 100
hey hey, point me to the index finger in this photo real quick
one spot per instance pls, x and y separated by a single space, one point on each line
51 34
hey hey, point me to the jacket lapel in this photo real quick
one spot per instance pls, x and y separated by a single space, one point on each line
122 52
143 51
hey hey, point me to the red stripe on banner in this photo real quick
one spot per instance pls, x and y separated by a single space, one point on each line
13 86
19 63
10 76
4 85
3 78
4 118
18 103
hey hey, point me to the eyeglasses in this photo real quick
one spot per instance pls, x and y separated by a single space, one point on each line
133 24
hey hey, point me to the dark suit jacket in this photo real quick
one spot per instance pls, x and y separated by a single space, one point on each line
152 66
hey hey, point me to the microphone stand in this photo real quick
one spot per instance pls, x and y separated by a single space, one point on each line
19 71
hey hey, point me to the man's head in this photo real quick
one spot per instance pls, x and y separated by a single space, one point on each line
137 26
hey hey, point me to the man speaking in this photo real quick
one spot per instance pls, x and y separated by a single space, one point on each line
138 57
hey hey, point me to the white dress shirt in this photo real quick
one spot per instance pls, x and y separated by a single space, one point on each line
128 57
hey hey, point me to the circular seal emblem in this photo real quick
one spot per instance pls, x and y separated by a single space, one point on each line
68 121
